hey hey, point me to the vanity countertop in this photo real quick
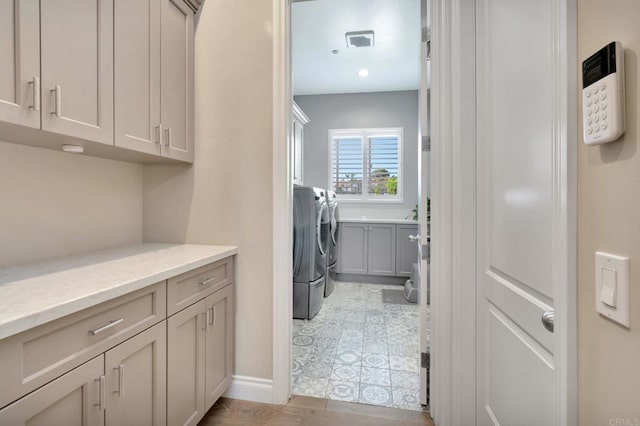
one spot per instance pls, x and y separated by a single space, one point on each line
34 294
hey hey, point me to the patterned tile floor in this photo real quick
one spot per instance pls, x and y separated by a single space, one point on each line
359 349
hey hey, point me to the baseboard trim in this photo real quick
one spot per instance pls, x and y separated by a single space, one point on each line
252 389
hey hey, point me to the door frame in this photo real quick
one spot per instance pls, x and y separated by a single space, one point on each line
453 233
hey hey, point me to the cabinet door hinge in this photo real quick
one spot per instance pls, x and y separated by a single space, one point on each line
426 252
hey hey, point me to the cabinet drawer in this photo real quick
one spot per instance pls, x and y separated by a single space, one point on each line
188 288
39 355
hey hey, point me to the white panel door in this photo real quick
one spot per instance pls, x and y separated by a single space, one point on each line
522 215
20 64
77 68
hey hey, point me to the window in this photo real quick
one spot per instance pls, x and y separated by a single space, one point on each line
366 164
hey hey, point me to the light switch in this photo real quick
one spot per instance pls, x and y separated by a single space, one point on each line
612 287
608 291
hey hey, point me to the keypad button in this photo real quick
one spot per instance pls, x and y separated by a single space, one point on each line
589 102
590 121
588 93
596 128
595 108
603 126
603 116
589 130
602 86
589 112
596 118
595 91
596 100
603 106
603 96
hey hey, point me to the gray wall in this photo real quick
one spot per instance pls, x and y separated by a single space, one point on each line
362 110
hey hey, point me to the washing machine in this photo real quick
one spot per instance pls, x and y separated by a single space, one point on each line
311 235
332 254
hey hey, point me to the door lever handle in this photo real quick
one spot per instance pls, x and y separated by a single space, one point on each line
547 320
414 237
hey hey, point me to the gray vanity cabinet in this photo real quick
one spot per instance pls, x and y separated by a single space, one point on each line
353 248
381 251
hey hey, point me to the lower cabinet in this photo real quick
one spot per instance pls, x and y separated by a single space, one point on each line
406 249
76 398
136 379
199 357
125 362
124 386
381 249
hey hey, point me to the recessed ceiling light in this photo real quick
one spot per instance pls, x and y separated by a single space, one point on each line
335 51
363 73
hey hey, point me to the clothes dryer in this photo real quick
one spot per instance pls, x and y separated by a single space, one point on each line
311 231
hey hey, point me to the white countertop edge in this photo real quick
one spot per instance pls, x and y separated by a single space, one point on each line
372 220
30 320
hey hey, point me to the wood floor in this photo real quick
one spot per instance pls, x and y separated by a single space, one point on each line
306 411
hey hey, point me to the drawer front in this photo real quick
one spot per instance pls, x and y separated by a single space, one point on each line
190 287
39 355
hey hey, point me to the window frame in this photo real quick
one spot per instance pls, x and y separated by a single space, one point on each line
366 134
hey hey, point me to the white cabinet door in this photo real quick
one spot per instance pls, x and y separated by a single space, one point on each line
77 68
137 75
20 64
177 79
523 219
73 399
136 374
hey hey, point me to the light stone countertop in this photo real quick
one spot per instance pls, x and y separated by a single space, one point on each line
34 294
372 220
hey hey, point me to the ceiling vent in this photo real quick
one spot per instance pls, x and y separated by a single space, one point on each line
360 38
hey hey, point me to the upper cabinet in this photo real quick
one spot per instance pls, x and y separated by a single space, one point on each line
297 145
20 62
137 75
99 72
153 65
177 79
77 68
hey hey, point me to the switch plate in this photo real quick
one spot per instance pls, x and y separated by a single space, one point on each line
612 287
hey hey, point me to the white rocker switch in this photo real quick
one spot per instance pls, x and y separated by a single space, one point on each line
612 287
608 291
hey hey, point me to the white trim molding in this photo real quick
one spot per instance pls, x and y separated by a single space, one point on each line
251 389
453 204
282 202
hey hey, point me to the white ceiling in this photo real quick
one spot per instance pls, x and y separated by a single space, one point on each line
319 26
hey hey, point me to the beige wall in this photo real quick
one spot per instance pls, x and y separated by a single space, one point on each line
226 197
609 220
56 204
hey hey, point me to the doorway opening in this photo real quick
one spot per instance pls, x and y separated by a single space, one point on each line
360 169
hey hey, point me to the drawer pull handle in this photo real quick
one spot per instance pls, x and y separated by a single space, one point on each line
106 327
120 379
206 320
36 93
207 281
57 92
102 393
